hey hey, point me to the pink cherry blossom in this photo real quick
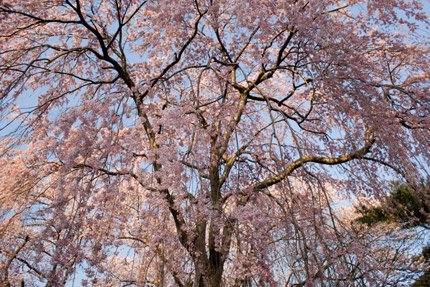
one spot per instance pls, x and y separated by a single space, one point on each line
208 143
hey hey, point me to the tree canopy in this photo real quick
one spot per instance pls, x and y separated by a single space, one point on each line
406 204
207 143
409 206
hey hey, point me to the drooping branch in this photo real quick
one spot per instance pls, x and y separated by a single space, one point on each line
316 159
10 260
